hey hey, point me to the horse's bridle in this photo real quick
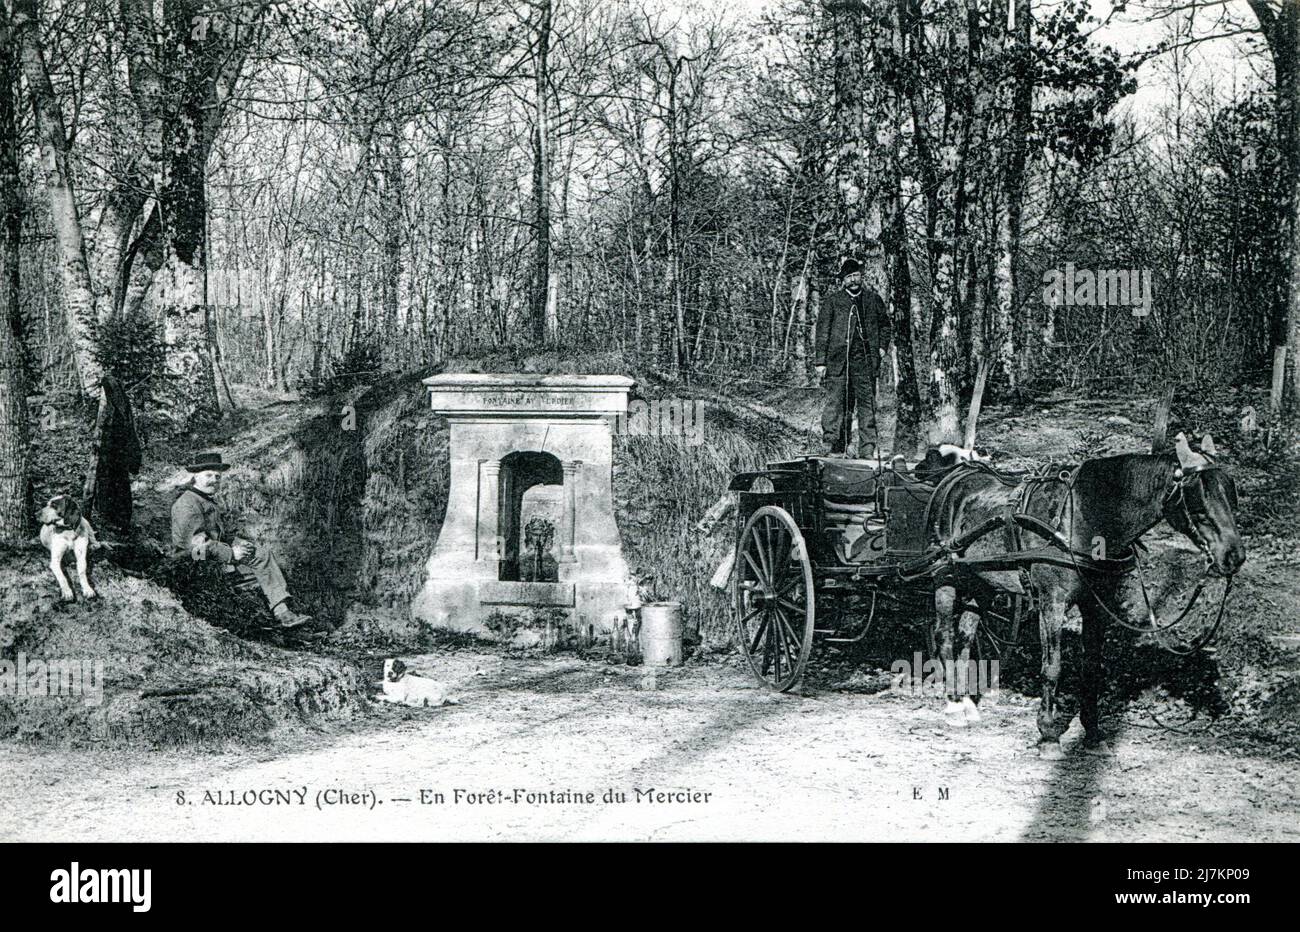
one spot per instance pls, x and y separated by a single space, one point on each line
1176 496
1176 493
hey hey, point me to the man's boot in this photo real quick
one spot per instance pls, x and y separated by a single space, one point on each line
289 618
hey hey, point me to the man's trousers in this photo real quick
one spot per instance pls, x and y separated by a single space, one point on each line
854 390
263 570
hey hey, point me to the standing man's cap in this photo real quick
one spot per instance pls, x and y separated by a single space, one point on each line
849 267
207 461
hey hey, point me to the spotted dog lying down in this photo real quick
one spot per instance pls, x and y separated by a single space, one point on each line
401 685
62 529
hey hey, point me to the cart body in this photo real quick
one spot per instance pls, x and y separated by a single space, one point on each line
820 538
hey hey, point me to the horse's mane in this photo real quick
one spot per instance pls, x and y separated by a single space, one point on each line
1142 475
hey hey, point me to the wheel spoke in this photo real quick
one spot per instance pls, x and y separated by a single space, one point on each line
759 576
794 645
777 650
797 580
775 564
784 563
746 618
763 556
768 655
762 626
782 647
792 606
795 640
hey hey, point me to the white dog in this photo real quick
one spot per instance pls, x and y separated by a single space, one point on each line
408 688
939 460
952 454
63 529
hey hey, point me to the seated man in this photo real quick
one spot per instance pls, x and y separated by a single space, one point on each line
198 533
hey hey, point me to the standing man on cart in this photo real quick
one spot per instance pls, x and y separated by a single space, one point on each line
853 331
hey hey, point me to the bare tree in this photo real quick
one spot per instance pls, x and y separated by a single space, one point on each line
14 455
1279 20
1017 96
540 289
78 292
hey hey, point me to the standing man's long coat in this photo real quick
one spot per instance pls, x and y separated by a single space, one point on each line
871 329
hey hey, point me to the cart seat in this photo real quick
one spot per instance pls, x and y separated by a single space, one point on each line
850 480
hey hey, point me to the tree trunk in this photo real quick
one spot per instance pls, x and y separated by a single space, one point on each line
856 215
974 104
191 392
191 388
1281 28
112 239
563 278
1291 390
1009 327
945 247
898 255
269 348
1288 93
803 291
391 200
675 221
541 276
78 293
15 508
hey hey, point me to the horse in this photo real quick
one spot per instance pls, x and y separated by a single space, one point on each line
1114 500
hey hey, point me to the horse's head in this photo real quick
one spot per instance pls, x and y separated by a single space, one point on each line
1201 503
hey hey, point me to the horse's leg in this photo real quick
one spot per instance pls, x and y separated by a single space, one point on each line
967 680
1051 621
945 601
1094 640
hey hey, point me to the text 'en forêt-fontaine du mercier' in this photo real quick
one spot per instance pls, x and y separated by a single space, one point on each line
322 798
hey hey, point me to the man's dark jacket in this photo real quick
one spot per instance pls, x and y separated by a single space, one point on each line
198 529
841 331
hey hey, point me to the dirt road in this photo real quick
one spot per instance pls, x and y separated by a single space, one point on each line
567 744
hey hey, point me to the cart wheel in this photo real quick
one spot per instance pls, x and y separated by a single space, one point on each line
774 598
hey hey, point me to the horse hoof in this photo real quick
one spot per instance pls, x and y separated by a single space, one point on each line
1050 750
954 716
1099 747
970 710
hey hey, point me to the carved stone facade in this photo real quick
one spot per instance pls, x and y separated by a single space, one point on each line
511 434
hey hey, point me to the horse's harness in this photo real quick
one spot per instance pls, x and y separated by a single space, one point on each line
1175 493
1082 562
